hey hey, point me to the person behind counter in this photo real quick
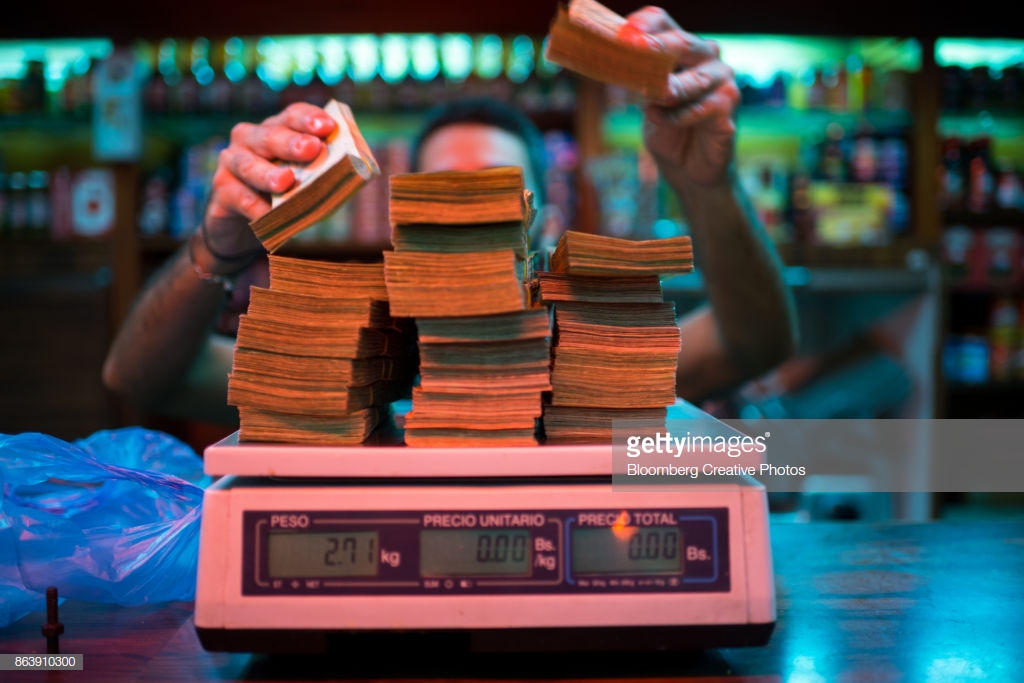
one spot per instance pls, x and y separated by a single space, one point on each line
170 354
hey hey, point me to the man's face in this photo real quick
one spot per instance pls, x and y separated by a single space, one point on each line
474 147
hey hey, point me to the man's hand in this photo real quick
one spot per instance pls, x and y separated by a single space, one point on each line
691 132
246 174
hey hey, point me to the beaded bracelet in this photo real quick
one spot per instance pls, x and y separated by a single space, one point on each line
222 281
236 258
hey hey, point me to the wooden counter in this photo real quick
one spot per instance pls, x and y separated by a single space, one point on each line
896 602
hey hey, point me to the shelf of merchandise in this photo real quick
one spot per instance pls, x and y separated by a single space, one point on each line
970 302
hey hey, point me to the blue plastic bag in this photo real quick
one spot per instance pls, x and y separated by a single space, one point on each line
110 518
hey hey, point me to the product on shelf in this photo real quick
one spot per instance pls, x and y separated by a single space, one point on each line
958 245
1002 336
93 202
1004 261
982 87
17 203
1018 355
977 176
966 359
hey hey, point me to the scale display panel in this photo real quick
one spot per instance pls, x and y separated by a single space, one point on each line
467 552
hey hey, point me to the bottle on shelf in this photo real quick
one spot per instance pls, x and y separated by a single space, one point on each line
1018 354
1012 95
896 93
1009 192
953 81
32 87
775 93
78 90
3 202
817 91
215 88
17 203
864 160
1004 251
835 81
980 180
156 91
1002 333
37 201
952 175
979 88
857 74
252 94
833 160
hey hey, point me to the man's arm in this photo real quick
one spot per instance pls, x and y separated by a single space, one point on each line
165 356
750 323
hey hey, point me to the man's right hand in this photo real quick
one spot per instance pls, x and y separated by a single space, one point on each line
246 174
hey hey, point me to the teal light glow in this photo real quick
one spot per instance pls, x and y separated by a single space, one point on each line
234 68
60 56
489 57
426 62
394 51
304 57
544 67
201 68
166 62
364 57
333 59
971 52
520 59
457 56
760 57
275 65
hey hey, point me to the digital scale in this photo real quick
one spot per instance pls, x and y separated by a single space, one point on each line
496 549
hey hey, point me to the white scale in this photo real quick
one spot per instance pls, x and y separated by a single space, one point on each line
501 549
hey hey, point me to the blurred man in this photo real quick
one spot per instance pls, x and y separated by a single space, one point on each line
168 355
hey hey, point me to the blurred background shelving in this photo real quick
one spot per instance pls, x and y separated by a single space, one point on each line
886 167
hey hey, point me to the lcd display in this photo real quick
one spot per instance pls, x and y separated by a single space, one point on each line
322 554
474 552
626 550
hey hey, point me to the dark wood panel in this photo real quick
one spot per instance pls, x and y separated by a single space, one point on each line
54 340
127 19
856 602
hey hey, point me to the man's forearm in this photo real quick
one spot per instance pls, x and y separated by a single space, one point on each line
750 303
163 334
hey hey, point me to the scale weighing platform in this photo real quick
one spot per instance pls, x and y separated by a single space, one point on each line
497 549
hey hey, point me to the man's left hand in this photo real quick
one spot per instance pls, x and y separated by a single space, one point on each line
691 131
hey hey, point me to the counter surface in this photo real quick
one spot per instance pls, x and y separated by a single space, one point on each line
856 602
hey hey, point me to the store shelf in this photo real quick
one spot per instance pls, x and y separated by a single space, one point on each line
30 255
822 280
987 289
964 389
995 123
45 123
1001 217
623 128
899 255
